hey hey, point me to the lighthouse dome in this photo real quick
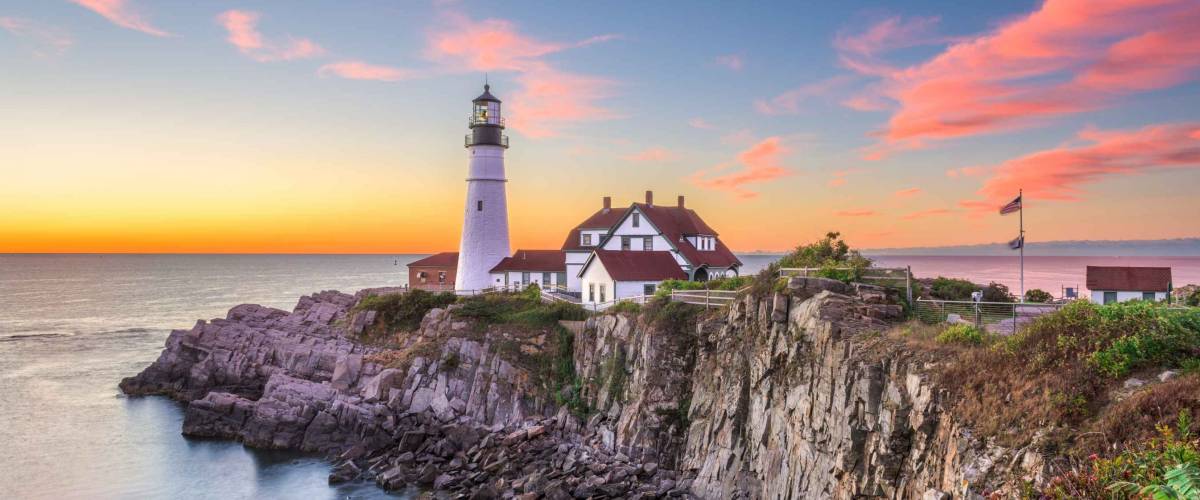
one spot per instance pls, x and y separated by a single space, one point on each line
486 96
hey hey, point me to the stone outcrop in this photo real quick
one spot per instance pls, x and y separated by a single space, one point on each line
792 395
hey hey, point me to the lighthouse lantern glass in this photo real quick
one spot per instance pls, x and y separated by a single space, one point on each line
487 113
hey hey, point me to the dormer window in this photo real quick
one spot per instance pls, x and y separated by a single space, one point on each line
587 239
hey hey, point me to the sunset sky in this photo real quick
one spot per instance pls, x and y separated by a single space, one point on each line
251 126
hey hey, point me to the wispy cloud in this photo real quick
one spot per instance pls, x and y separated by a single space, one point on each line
1060 173
908 193
122 13
548 99
977 171
730 61
856 213
700 123
1067 56
358 70
43 40
923 214
242 28
789 103
655 154
837 178
760 163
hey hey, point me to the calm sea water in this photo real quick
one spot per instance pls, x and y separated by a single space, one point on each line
71 326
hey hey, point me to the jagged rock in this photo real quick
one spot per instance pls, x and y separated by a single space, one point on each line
1133 383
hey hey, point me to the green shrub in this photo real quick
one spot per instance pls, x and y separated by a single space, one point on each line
403 310
1165 467
1038 296
996 292
828 251
518 308
625 306
952 288
960 334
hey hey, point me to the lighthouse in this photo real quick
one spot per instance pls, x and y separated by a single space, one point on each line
485 218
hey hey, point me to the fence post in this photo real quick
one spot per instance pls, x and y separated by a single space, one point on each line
1014 318
908 283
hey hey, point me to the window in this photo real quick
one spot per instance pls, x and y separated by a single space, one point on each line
591 291
587 240
525 278
1148 296
479 206
637 220
648 289
625 242
441 276
647 244
562 279
545 279
602 292
1110 297
420 274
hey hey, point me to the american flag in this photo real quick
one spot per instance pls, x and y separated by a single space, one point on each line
1012 207
1017 243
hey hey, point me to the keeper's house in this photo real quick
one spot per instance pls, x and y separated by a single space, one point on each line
1119 284
545 268
618 254
435 272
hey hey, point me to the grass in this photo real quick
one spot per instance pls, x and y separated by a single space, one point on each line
960 334
517 309
1059 370
401 311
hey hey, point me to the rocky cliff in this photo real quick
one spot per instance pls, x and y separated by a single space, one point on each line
796 394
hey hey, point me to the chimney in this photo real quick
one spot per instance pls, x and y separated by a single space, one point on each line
607 203
680 201
650 197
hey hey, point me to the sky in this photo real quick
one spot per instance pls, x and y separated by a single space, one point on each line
336 127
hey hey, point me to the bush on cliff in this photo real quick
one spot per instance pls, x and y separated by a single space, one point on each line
1038 296
725 284
960 289
832 255
522 308
403 311
960 334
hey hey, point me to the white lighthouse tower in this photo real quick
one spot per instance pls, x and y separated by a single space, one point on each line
485 219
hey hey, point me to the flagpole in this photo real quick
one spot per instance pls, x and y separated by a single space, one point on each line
1021 195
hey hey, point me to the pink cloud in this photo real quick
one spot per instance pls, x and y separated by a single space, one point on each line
1068 56
43 40
866 103
358 70
700 123
935 212
1060 173
955 173
731 61
788 103
760 164
122 14
548 99
242 27
837 182
655 154
907 193
856 213
837 178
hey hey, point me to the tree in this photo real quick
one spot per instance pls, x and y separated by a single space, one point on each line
1038 296
997 292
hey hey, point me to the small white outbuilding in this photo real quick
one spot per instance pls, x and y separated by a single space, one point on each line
1119 284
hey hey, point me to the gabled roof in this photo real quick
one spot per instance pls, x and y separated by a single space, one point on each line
604 218
554 261
677 222
1129 279
632 265
444 259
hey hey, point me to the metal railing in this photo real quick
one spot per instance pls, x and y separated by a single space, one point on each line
1001 318
473 120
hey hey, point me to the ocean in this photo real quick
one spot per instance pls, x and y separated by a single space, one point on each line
71 326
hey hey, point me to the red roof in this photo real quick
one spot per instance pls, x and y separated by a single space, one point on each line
1129 279
676 222
633 265
444 259
533 260
602 219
